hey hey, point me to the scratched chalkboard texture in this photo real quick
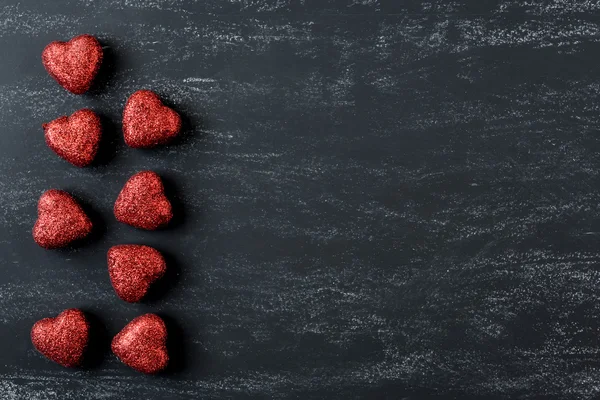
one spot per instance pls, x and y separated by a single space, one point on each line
375 199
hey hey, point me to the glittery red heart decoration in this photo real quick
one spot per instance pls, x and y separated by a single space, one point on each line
142 202
133 268
62 339
75 138
74 64
142 344
147 122
61 220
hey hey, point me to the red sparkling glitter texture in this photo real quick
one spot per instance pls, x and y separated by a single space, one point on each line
142 344
142 202
62 339
75 138
147 122
61 220
74 64
133 268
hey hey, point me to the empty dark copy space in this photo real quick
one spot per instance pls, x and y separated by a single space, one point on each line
374 199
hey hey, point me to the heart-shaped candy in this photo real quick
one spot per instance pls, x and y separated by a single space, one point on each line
142 344
147 122
61 220
74 64
75 138
62 339
133 268
142 202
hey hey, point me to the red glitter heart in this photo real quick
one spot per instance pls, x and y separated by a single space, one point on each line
142 202
62 339
142 344
74 64
147 122
61 220
75 138
133 268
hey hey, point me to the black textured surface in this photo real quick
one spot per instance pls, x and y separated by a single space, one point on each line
375 199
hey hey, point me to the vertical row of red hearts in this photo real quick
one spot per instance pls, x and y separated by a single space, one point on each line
142 203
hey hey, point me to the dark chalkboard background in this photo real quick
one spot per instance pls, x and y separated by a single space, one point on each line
375 199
